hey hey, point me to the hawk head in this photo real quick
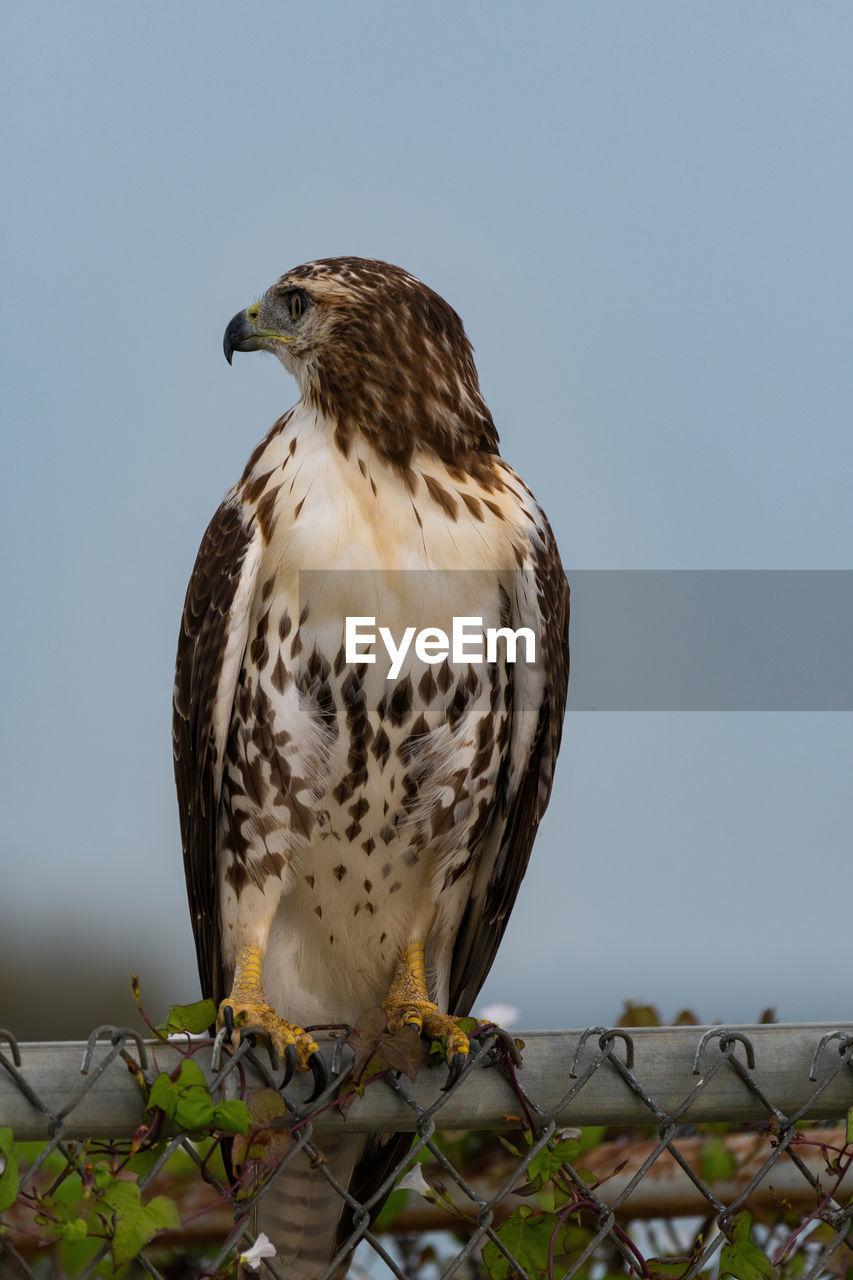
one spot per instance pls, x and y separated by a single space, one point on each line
376 352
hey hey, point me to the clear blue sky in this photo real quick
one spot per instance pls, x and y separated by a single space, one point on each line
644 214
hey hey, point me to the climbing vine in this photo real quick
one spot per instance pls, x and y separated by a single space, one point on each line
60 1207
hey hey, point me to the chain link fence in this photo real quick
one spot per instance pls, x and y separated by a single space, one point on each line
718 1143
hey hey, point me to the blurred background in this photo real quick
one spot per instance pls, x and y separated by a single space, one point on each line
644 215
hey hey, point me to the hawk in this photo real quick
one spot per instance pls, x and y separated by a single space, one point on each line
354 838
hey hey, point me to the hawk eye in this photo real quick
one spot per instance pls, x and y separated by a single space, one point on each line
297 303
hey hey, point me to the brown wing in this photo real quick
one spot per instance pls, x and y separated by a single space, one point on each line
210 652
527 789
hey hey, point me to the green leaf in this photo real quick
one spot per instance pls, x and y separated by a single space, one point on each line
9 1180
716 1161
134 1223
195 1105
505 1142
740 1257
163 1095
543 1166
232 1116
850 1125
74 1231
438 1044
574 1239
102 1177
263 1142
143 1162
563 1194
378 1050
194 1018
186 1101
265 1105
162 1214
526 1233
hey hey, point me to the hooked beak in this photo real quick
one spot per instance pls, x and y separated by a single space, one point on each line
240 335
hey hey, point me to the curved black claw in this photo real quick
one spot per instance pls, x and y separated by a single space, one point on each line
289 1062
226 1146
228 1019
458 1063
318 1070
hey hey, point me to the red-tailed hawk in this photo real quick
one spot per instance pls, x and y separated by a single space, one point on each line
355 831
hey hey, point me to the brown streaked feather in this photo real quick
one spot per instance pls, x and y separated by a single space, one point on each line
520 812
198 669
396 367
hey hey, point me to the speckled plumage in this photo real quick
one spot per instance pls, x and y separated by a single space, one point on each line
330 815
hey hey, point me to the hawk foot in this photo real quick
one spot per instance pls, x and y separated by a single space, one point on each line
295 1048
408 1003
425 1015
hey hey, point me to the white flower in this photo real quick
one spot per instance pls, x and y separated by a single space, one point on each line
414 1180
503 1014
262 1248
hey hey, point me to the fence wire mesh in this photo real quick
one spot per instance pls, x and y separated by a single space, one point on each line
707 1129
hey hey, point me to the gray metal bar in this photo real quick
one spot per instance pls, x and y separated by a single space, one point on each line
663 1066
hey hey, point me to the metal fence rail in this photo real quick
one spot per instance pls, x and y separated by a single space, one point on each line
773 1079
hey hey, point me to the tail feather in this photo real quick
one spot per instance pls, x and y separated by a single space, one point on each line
306 1218
301 1212
377 1158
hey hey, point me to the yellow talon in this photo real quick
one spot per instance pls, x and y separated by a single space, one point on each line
249 1007
408 1002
